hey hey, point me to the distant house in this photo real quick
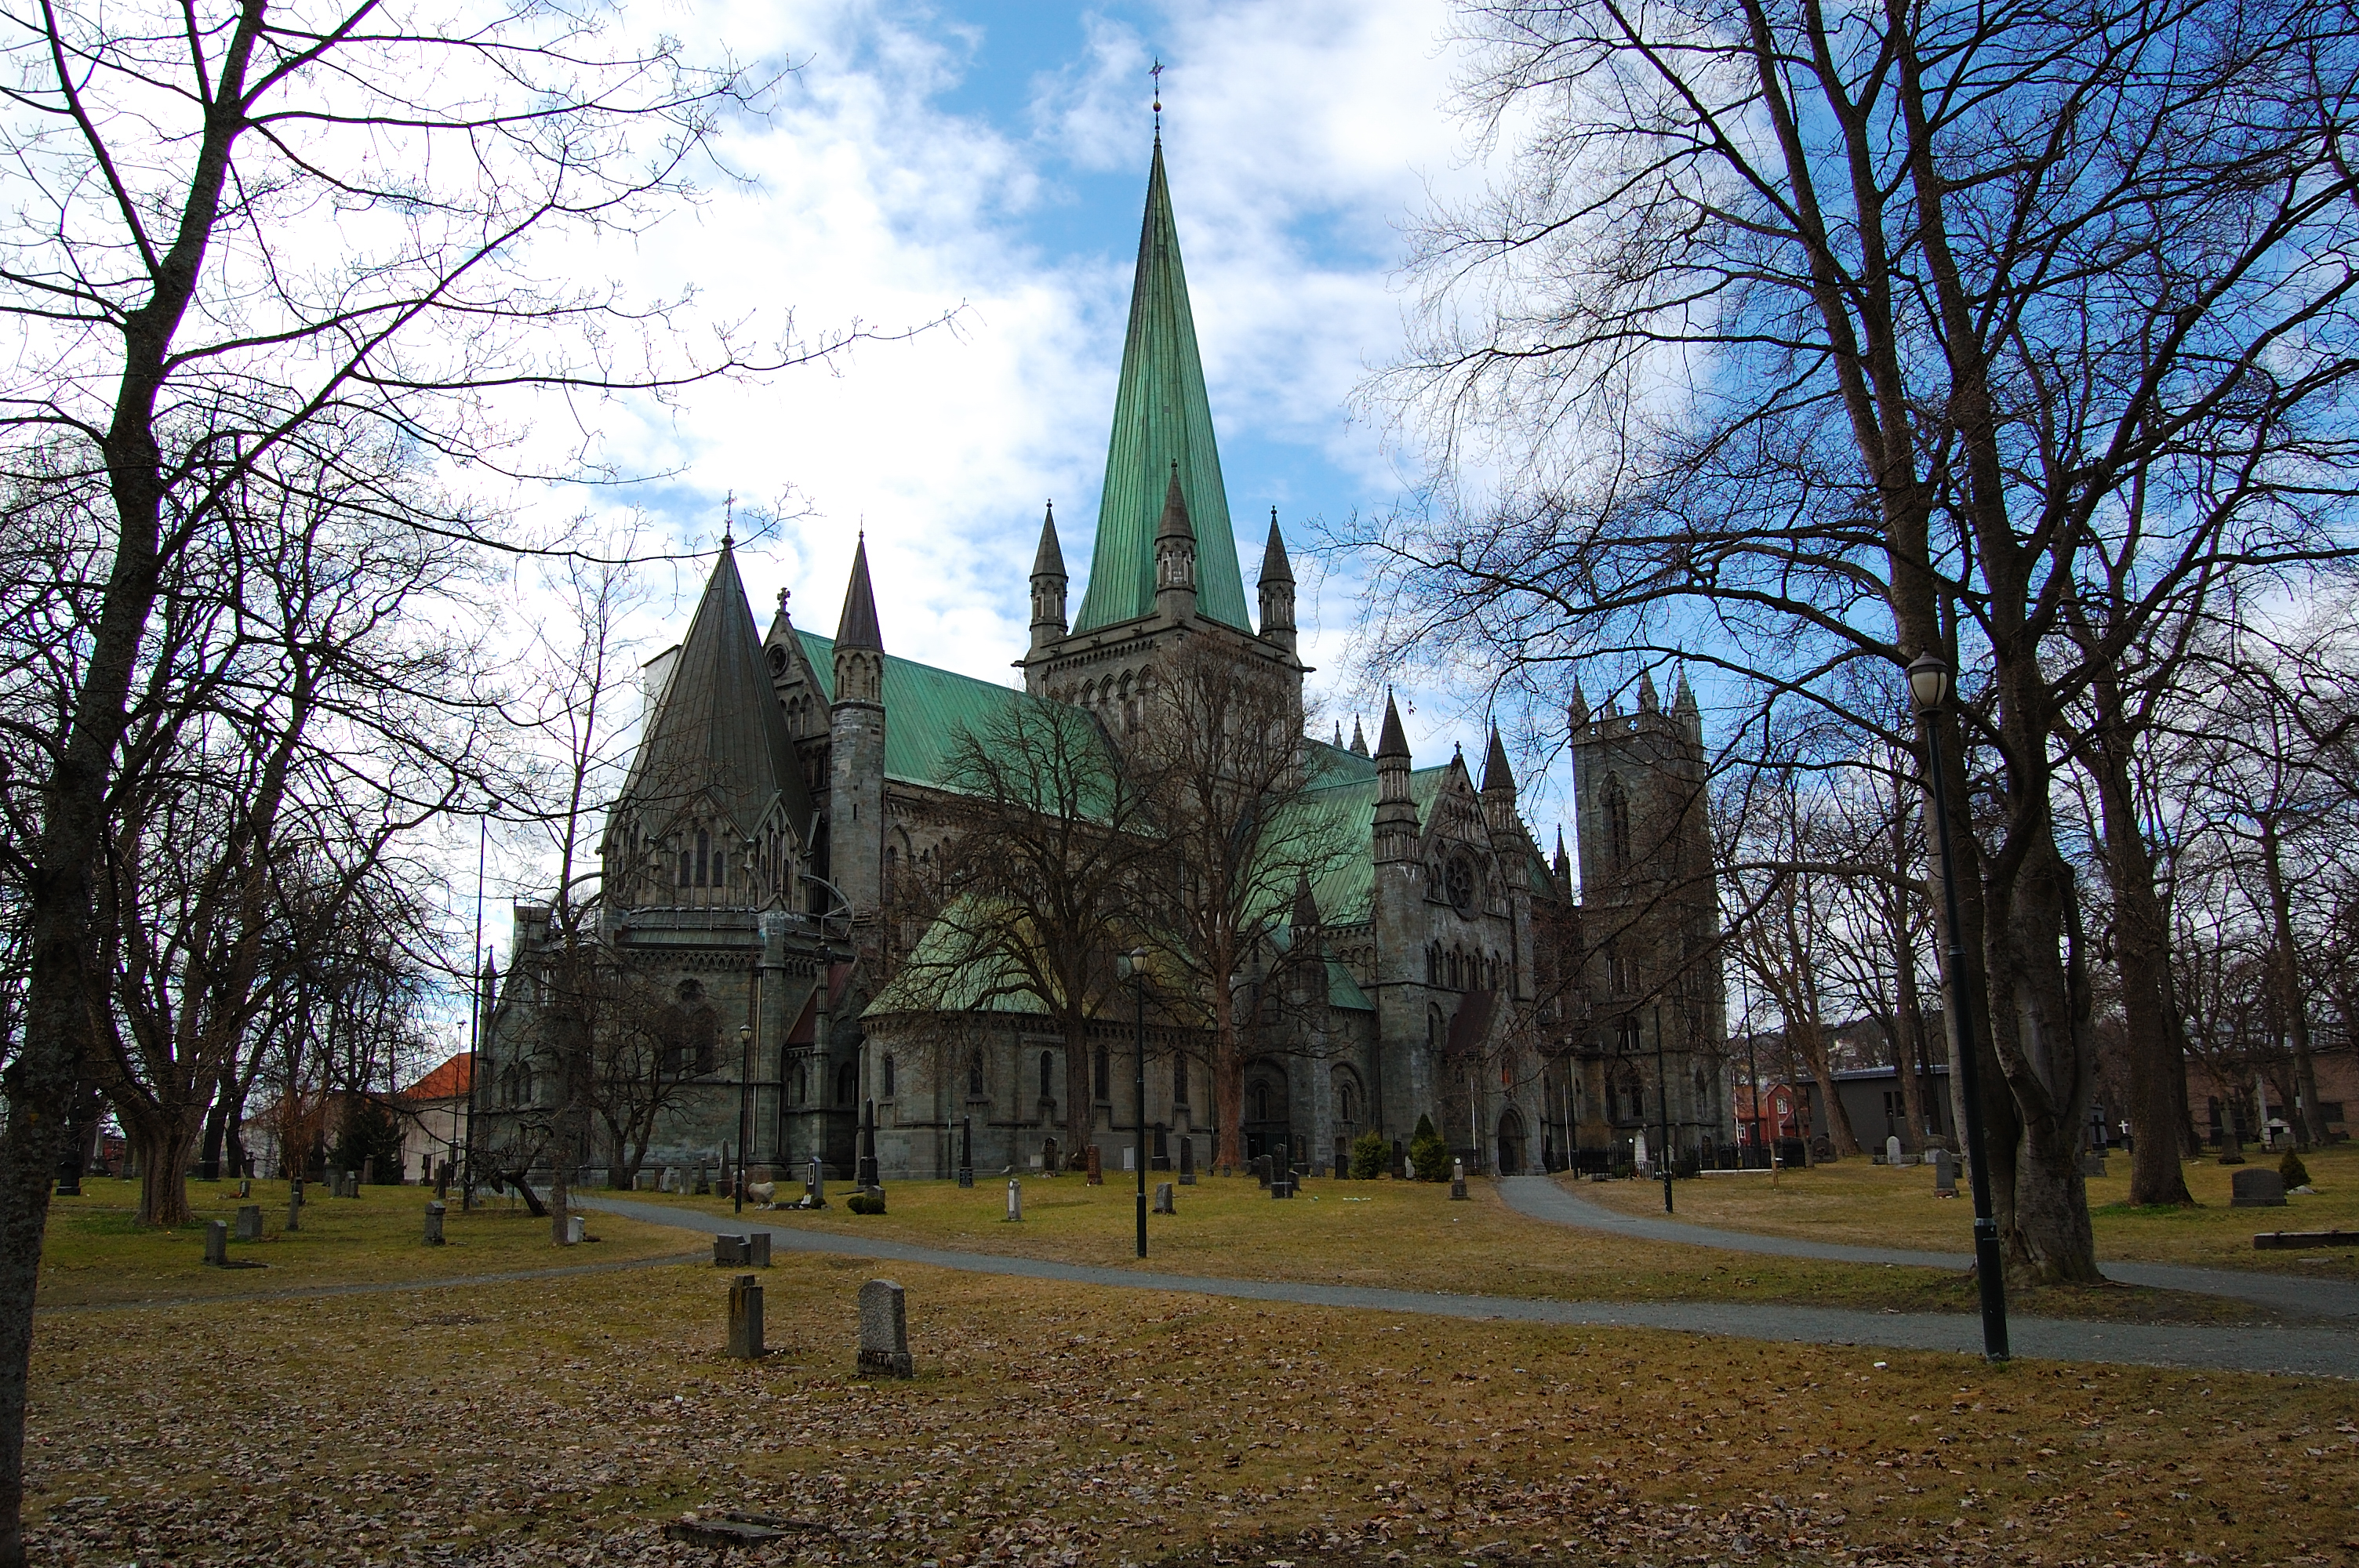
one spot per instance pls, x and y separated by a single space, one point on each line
433 1113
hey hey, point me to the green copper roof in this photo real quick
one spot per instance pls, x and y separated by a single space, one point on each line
1160 416
925 709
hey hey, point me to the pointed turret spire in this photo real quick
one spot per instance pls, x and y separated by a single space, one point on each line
1391 741
1359 739
1648 701
1050 560
1275 566
1395 822
1276 590
1496 774
1306 906
1579 710
1175 555
857 627
1161 417
1047 586
1562 864
1338 734
1683 699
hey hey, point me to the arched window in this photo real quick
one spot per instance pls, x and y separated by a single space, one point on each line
720 868
1344 1102
686 866
975 1075
1261 1102
1179 1080
889 1075
704 855
1104 1072
847 1084
802 1083
1048 1076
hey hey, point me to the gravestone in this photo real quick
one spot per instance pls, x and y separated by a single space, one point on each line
645 1182
1281 1180
368 1172
670 1182
245 1188
1163 1204
2256 1187
434 1212
883 1331
577 1229
1097 1167
1047 1163
745 1318
1261 1169
1457 1179
217 1242
1945 1174
757 1249
249 1222
728 1251
1187 1162
1400 1161
295 1212
702 1185
966 1152
2093 1164
1129 1158
442 1179
1891 1155
815 1185
295 1191
1015 1199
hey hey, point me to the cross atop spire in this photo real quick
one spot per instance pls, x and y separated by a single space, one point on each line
1157 73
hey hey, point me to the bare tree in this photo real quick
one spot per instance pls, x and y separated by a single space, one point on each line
1809 340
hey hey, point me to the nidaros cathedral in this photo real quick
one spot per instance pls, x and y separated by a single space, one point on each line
787 781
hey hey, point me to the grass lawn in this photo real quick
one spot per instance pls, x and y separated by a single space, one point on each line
1409 1235
565 1421
1862 1203
96 1252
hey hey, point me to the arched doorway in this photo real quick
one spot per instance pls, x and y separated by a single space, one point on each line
1265 1128
1511 1142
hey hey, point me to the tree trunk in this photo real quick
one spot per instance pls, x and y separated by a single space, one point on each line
163 1149
2141 944
208 1161
1228 1072
1079 1096
1809 1037
2308 1127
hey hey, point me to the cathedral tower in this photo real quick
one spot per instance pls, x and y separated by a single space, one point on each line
856 749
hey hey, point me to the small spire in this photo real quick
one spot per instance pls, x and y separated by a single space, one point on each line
1563 863
1338 734
1175 523
1359 739
1496 774
1580 706
1274 566
1683 700
1050 561
1306 906
1391 741
858 627
1648 701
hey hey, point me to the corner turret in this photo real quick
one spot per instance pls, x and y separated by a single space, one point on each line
1048 583
1276 590
1498 785
1175 555
1396 818
855 827
1359 738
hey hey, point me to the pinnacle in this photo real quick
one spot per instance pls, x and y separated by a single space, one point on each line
1392 742
858 627
1050 561
1175 525
1496 774
1274 566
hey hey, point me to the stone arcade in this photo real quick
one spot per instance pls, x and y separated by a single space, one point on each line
784 778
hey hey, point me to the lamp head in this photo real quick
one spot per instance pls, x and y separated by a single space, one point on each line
1928 682
745 1033
1130 961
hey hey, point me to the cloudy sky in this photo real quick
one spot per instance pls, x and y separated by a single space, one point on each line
988 161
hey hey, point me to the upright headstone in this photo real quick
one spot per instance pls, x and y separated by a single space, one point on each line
1048 1157
244 1187
295 1191
1457 1179
2093 1163
441 1180
815 1185
577 1229
883 1331
1187 1162
966 1152
249 1222
745 1318
295 1212
1015 1199
1129 1158
1945 1174
728 1251
1163 1204
757 1249
1261 1169
434 1212
1892 1149
1638 1152
1400 1161
2256 1187
670 1181
368 1172
216 1242
702 1185
1097 1167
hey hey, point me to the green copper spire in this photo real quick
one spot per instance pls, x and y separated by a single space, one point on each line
1160 416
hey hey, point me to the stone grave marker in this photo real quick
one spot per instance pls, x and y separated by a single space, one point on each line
434 1212
966 1152
757 1249
2093 1164
244 1187
1129 1158
1015 1199
1163 1204
1187 1162
1046 1163
1261 1169
217 1242
883 1331
702 1185
671 1183
368 1172
295 1212
1945 1174
1891 1155
1400 1161
745 1318
2256 1187
249 1222
815 1185
577 1229
1457 1179
295 1191
728 1251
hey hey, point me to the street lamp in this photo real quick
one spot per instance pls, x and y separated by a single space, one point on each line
1929 685
744 1112
1134 961
1663 1108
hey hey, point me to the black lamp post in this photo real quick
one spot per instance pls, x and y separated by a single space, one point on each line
1135 961
1928 685
745 1113
1663 1108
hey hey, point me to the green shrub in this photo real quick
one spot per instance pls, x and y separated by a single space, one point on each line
865 1202
2293 1172
1428 1153
1369 1156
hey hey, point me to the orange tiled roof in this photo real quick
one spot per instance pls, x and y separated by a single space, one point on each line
450 1081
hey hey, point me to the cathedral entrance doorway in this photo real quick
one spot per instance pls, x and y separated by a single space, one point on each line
1266 1130
1511 1142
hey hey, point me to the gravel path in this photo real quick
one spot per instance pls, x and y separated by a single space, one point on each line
2316 1352
1544 1199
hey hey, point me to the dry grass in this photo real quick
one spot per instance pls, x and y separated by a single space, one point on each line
1409 1235
565 1421
1865 1205
96 1252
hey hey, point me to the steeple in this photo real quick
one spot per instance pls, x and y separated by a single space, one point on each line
1496 775
1359 739
1396 818
1683 709
1175 555
1047 586
1562 866
859 643
1648 701
1161 417
1579 710
1391 741
1276 590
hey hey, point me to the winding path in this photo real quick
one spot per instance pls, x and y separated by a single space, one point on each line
1542 1197
2314 1352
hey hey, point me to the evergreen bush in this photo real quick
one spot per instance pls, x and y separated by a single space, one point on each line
865 1202
2293 1172
1428 1153
1369 1157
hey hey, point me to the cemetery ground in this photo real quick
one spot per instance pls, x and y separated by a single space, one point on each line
570 1419
1859 1204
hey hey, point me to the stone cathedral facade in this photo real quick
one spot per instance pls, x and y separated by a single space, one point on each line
786 783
